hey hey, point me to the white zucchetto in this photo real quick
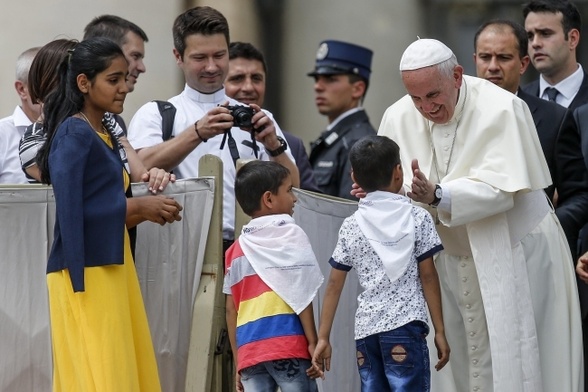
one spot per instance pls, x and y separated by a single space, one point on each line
424 53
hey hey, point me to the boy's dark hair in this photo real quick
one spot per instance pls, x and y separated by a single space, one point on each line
254 179
517 30
198 20
571 18
113 27
373 159
246 51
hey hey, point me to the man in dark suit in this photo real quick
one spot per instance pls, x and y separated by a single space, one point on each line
501 57
342 71
553 28
581 117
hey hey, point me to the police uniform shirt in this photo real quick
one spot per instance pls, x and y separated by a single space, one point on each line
329 156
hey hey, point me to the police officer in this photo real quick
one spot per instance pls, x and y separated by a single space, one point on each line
341 75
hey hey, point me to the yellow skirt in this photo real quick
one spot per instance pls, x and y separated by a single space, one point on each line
100 337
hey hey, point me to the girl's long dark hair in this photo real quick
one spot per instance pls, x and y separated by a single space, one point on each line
89 57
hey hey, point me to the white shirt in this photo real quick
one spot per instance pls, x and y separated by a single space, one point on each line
568 88
385 305
11 130
145 131
342 116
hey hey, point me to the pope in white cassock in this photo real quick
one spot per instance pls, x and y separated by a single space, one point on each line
471 156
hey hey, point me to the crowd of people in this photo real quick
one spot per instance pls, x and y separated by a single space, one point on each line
472 211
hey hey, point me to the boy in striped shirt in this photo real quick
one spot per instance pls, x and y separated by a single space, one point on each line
271 278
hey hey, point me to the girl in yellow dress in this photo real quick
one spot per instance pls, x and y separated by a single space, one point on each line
100 336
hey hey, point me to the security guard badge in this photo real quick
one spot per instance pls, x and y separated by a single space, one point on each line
331 138
322 51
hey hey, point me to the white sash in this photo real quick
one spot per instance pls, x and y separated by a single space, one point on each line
386 220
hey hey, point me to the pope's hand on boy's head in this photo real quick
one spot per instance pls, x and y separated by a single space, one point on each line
357 191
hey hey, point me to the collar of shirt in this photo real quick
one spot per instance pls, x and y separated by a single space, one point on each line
568 88
21 121
342 116
217 97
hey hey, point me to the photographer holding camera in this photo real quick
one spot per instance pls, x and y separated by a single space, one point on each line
206 118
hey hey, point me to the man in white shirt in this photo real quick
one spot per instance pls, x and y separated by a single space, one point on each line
12 127
203 124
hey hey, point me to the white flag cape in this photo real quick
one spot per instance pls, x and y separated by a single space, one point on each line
280 253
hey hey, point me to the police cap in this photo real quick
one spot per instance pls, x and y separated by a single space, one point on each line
337 57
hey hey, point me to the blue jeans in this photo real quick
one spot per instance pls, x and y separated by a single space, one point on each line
288 374
396 360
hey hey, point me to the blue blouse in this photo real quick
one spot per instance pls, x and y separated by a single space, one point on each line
90 201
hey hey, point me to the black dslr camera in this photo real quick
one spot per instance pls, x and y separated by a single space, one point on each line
241 115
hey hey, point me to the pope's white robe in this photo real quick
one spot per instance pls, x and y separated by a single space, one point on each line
510 301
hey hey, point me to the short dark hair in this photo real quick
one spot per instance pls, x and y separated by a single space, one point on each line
113 27
571 16
357 78
198 20
373 159
254 179
517 30
246 51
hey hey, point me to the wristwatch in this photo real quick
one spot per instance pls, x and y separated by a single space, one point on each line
438 195
283 147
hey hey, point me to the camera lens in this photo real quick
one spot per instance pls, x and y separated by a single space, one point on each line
242 116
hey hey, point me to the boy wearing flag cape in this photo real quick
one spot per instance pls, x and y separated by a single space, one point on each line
271 278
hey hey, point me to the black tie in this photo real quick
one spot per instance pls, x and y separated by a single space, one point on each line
551 93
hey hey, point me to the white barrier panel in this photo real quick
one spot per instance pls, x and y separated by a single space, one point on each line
26 232
321 217
169 262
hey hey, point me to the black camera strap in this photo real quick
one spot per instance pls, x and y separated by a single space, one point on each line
228 138
254 144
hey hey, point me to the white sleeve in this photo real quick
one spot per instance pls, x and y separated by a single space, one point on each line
145 127
472 201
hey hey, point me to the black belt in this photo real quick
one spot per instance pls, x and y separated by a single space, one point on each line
227 244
